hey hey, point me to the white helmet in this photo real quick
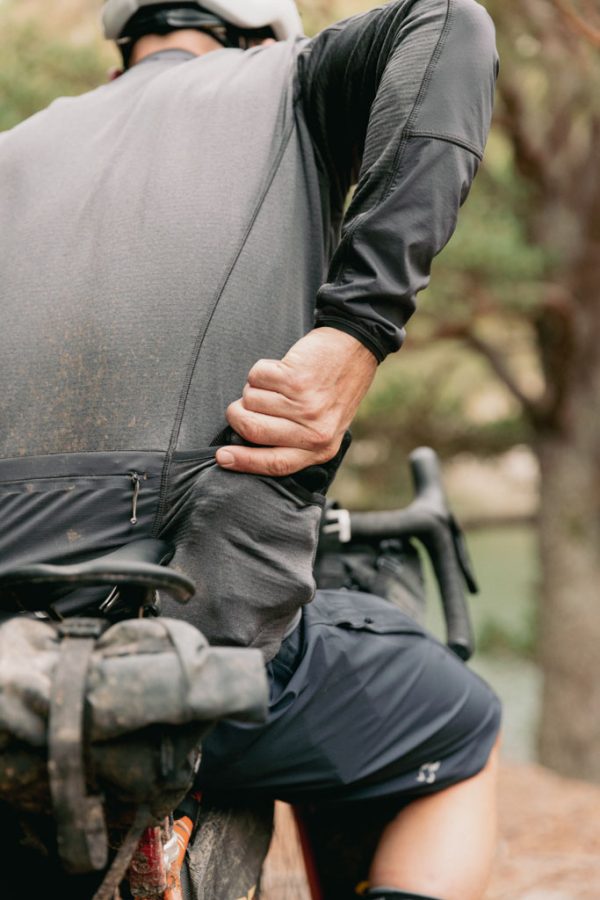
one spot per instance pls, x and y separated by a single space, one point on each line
279 15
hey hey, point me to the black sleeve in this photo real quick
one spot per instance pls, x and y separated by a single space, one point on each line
402 97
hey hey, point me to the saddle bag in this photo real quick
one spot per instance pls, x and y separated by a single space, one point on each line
98 720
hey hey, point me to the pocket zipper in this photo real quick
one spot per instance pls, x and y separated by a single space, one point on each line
136 481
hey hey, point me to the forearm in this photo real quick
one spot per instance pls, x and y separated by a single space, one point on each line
383 262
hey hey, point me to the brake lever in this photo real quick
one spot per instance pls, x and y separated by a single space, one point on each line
462 555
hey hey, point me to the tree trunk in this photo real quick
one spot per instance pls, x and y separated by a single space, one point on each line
569 456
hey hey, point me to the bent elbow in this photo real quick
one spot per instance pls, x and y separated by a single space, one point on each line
476 28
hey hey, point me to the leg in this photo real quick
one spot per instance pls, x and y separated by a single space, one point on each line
442 845
366 708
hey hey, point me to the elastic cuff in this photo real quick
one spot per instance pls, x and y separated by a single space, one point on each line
354 331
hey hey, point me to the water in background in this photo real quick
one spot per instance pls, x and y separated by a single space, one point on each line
504 616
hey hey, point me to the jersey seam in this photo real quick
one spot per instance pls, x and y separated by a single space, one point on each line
184 394
449 139
79 453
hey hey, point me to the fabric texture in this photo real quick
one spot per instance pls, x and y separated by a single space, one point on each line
66 507
144 674
364 704
403 96
135 269
248 543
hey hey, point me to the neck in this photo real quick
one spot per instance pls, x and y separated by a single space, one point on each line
196 42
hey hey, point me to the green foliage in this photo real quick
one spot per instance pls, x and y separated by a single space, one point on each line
498 640
491 241
37 68
436 396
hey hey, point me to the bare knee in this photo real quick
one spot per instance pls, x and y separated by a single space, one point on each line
460 823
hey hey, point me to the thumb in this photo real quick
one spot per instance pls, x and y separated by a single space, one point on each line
274 461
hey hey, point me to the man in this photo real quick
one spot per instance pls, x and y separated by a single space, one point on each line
164 242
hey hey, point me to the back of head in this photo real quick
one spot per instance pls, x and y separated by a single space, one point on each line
233 23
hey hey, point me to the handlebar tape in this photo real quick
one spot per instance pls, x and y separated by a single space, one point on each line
429 519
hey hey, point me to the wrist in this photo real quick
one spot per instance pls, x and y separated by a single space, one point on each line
347 343
352 329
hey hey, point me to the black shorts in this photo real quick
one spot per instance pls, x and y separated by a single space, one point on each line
365 704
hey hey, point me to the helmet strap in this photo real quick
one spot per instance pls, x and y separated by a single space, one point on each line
162 20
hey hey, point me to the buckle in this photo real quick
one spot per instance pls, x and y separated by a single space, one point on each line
82 628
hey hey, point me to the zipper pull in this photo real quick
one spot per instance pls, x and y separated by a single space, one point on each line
136 482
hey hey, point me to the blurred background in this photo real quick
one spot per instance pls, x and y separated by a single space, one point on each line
501 369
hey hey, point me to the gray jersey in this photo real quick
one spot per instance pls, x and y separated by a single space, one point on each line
164 235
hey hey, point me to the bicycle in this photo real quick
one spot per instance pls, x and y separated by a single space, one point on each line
370 551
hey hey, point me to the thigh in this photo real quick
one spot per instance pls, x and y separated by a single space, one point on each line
364 704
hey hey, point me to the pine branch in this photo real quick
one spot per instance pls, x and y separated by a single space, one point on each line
460 331
499 367
590 32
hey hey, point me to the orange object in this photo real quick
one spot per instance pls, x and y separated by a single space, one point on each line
182 829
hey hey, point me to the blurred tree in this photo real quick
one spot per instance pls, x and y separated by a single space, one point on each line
549 113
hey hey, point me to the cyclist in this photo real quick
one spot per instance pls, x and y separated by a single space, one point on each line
165 241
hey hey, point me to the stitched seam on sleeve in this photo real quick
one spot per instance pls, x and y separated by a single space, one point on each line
449 138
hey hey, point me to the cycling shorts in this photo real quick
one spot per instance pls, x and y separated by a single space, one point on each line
365 704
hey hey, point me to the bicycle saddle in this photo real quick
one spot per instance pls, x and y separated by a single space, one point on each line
140 564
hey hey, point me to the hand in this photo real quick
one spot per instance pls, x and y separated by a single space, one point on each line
298 408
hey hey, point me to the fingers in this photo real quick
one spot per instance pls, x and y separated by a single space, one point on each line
278 431
273 461
271 403
297 409
270 431
276 375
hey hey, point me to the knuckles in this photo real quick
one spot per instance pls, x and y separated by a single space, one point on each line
278 468
233 412
261 370
274 374
299 382
311 411
322 440
254 374
250 431
250 399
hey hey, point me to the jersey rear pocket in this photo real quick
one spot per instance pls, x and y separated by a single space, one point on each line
249 544
68 507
